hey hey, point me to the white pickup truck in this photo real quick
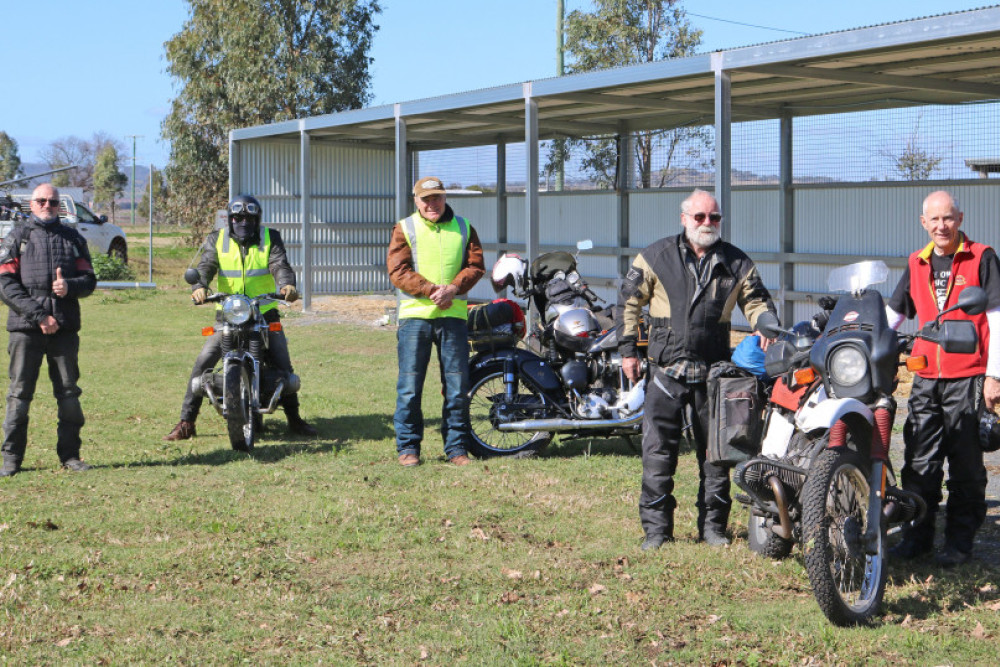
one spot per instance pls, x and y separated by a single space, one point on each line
102 236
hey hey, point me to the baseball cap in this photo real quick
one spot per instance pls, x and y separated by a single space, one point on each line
428 185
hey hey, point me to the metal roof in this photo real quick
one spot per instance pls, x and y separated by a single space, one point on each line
947 59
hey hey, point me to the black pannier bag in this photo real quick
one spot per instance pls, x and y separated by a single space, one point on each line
736 400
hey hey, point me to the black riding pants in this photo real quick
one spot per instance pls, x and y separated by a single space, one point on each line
663 422
941 427
26 350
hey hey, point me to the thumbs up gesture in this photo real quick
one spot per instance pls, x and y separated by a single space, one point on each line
59 286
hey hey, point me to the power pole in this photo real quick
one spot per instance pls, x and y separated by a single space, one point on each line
134 137
560 70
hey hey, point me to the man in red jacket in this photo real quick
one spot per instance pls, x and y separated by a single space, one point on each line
942 423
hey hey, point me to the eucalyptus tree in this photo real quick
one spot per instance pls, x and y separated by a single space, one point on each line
239 63
10 159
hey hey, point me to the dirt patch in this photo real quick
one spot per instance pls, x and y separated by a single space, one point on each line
375 310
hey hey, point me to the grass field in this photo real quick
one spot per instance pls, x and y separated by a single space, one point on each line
326 551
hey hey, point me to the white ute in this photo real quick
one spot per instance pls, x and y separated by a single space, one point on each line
102 236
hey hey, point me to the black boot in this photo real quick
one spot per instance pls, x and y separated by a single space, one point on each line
296 424
714 527
11 466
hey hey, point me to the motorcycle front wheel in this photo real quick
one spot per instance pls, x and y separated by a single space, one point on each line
848 582
762 540
488 404
238 404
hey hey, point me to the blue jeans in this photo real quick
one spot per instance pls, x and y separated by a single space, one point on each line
415 338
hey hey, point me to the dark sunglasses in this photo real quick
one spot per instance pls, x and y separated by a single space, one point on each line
41 201
239 207
700 217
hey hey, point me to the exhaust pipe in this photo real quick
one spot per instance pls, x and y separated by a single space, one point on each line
557 425
783 530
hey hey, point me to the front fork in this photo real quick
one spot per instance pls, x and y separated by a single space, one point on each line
878 474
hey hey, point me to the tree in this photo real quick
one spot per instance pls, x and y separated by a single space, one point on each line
241 63
109 181
10 159
161 196
629 32
913 163
73 150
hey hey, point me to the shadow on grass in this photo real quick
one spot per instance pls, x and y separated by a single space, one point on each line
593 446
335 435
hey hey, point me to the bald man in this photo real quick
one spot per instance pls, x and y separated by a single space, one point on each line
45 270
942 424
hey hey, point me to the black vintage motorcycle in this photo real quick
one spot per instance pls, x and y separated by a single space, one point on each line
243 386
823 478
567 379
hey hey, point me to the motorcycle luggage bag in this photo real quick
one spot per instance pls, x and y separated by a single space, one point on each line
736 401
496 324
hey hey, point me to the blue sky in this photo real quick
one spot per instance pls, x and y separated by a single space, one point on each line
75 68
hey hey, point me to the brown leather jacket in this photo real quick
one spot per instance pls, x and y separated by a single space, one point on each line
400 263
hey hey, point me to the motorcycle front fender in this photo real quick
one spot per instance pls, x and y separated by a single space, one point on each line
825 413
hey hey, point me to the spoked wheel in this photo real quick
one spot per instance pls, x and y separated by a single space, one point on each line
239 408
488 406
848 582
763 541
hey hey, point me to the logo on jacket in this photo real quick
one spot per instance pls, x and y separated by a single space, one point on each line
960 281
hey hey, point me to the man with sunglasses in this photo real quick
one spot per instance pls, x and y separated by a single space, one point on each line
45 270
691 282
251 260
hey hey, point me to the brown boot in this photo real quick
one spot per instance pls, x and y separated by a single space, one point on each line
183 431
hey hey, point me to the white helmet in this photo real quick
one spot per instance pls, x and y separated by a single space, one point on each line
509 271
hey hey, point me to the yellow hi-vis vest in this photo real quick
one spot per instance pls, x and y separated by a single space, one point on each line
250 275
438 250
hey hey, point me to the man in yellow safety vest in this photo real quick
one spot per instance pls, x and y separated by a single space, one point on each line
434 259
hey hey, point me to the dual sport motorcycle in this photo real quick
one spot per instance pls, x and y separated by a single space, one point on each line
823 478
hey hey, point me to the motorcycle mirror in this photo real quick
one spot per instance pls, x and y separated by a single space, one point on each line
954 336
586 244
768 325
191 276
972 300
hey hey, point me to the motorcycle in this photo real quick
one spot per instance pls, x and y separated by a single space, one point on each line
243 386
823 478
567 380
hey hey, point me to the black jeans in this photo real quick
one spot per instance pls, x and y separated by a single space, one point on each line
211 352
942 426
26 350
663 421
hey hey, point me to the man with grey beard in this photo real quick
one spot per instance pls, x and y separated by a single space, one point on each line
691 282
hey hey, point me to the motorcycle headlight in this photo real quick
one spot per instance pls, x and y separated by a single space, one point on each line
236 309
848 366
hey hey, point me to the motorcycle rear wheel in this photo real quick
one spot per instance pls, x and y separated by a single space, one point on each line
847 582
238 406
486 398
762 540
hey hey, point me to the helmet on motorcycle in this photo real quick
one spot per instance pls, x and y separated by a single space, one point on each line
989 428
509 271
243 209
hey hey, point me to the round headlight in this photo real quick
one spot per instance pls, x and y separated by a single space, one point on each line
236 309
848 366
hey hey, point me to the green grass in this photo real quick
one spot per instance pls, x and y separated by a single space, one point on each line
325 550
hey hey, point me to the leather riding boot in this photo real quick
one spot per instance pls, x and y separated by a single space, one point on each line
714 531
11 466
183 431
296 424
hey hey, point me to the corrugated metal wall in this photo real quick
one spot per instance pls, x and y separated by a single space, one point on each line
353 204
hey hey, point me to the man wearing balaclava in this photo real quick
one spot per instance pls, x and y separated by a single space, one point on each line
239 254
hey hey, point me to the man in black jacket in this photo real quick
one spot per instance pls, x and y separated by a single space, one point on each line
691 283
44 270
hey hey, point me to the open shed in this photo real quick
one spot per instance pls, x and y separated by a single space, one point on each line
336 183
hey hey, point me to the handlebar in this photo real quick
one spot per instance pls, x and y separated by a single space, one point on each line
221 296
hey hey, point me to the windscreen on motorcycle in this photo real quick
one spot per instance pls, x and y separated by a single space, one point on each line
854 277
547 265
